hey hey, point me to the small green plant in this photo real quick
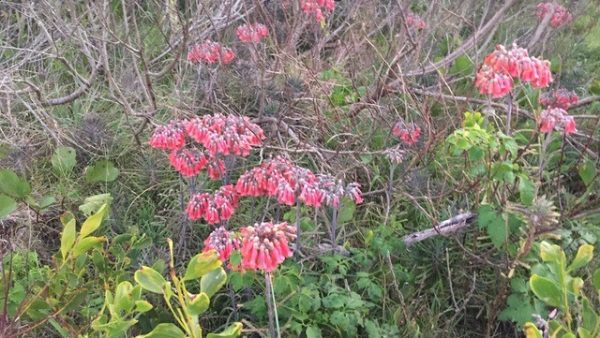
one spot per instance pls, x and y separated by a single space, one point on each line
126 304
554 283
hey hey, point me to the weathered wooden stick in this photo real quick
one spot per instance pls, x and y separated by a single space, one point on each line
445 228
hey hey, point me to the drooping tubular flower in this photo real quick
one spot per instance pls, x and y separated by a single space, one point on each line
216 168
318 8
188 161
214 208
560 15
222 241
554 118
409 133
560 98
168 137
265 245
225 135
536 71
493 83
415 21
210 52
252 33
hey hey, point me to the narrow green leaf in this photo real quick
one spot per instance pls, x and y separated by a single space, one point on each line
7 205
67 238
149 279
93 222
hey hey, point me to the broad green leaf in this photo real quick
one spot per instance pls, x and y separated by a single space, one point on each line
346 211
552 253
531 331
587 171
86 244
546 290
46 201
101 171
313 332
526 190
123 296
589 315
234 330
93 222
63 160
213 281
585 253
596 279
198 305
13 185
164 330
142 306
67 238
92 204
202 264
7 205
150 280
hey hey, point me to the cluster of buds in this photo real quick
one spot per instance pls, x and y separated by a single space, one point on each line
409 133
556 118
210 52
318 8
222 241
252 33
560 98
225 135
264 246
395 155
415 21
495 77
281 179
214 208
560 15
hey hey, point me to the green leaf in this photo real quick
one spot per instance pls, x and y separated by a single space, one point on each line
595 88
202 264
149 279
101 171
552 253
123 296
199 304
461 66
587 171
596 279
13 185
346 211
7 205
546 290
86 244
67 238
526 190
234 330
313 332
531 331
46 201
585 253
494 224
63 161
142 306
164 330
92 204
589 316
212 281
93 222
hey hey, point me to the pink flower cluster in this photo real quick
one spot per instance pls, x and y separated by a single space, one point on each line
168 137
415 21
560 98
188 161
210 52
409 133
252 33
554 118
222 241
318 8
281 179
265 245
500 67
560 15
214 208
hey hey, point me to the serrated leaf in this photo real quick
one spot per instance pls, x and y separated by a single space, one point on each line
202 264
526 190
93 222
12 185
164 330
313 332
150 280
546 290
7 205
67 238
101 171
234 330
584 255
63 160
213 281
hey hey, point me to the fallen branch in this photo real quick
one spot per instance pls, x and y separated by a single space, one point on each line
445 228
